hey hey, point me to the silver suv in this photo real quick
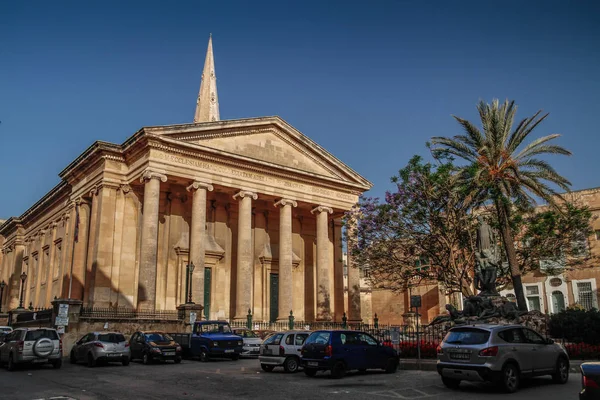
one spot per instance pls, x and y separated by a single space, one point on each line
31 345
503 354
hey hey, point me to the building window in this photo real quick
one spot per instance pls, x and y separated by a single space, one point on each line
533 297
585 296
57 259
45 263
558 301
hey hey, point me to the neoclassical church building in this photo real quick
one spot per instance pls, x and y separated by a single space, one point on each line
253 204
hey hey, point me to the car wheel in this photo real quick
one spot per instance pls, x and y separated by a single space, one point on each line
561 375
11 366
146 359
451 383
177 360
310 371
90 361
204 356
267 368
392 366
339 370
290 364
56 363
72 358
125 361
509 381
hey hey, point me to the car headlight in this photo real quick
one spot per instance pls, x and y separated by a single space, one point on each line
178 348
215 344
240 343
155 350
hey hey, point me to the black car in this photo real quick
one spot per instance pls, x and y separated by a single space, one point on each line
590 381
154 346
341 351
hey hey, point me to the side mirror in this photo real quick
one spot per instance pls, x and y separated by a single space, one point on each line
549 341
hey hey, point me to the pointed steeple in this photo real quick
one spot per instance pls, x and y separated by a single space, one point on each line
207 106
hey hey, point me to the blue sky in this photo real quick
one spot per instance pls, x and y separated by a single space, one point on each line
369 81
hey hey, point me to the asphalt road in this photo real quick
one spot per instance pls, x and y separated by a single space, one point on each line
244 379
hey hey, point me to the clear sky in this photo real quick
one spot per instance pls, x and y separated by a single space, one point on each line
370 81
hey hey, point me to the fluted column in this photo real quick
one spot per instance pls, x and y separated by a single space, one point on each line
243 298
323 291
354 306
286 287
149 240
198 238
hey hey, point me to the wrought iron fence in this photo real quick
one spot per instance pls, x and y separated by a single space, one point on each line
127 313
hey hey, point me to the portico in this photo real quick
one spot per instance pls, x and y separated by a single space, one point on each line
253 203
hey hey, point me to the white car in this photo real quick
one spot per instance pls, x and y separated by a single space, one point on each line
5 329
251 342
282 350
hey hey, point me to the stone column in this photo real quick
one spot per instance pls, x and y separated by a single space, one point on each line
197 245
354 307
286 287
149 239
243 298
323 292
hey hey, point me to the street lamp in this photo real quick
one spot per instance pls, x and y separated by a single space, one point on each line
190 270
2 286
23 278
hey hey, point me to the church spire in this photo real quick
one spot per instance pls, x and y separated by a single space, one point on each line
207 105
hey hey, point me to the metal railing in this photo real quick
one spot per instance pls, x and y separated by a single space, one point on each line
36 314
127 313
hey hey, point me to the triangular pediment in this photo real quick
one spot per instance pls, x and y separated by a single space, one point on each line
270 140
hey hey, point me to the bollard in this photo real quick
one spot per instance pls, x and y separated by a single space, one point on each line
344 321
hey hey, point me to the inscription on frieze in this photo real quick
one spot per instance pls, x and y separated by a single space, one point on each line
234 172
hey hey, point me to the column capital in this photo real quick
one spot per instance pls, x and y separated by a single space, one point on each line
321 209
286 202
243 193
125 188
150 174
199 185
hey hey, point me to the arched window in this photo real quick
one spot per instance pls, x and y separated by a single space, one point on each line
558 301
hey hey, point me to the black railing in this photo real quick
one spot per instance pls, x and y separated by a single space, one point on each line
127 313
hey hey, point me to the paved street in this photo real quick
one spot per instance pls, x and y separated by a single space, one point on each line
245 380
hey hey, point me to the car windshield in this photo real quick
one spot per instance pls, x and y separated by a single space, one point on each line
467 336
157 337
247 334
111 337
215 328
318 338
41 333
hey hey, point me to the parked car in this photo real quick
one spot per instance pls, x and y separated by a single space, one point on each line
341 351
31 345
211 339
98 347
251 342
265 333
504 354
5 329
590 381
152 346
283 349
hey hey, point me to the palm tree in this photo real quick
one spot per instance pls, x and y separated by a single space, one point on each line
501 169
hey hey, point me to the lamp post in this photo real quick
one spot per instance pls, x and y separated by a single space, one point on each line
23 278
2 286
190 270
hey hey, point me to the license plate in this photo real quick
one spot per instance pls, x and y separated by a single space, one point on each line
460 356
37 360
169 353
313 364
229 351
114 355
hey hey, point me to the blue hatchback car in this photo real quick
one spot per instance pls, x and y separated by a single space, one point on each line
342 351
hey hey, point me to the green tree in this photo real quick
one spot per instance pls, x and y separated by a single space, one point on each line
501 169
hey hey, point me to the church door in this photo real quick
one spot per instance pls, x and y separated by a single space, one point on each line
274 287
207 286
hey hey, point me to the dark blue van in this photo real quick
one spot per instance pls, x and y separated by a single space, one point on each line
341 351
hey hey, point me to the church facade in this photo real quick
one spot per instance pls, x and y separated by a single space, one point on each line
252 204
